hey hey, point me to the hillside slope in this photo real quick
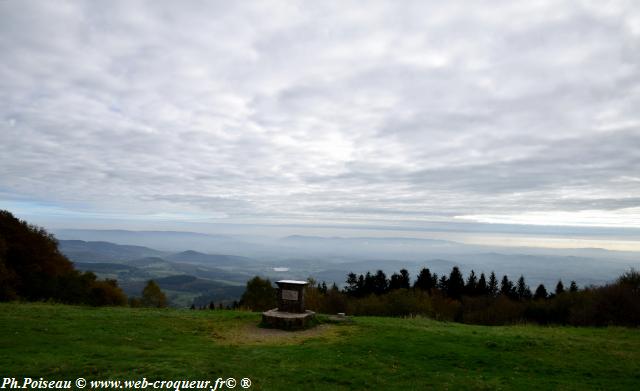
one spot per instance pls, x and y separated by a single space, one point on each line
62 342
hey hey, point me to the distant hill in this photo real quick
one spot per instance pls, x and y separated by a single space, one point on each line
83 251
169 241
185 276
337 240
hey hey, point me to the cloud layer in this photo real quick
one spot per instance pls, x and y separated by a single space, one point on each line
327 111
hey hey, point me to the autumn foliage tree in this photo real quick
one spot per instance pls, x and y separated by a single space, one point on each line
32 268
152 296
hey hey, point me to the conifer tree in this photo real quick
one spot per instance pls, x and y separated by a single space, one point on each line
541 293
482 285
380 283
492 287
522 289
506 287
470 289
573 287
424 281
455 287
559 288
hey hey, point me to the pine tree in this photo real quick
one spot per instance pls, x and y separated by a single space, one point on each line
443 283
541 293
400 280
369 284
470 289
482 285
492 288
573 287
361 286
434 280
455 287
424 281
405 279
522 289
380 283
559 288
506 287
352 284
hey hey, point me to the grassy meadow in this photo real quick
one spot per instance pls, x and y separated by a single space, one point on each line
65 342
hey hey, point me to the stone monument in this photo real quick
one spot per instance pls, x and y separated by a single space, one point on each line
291 313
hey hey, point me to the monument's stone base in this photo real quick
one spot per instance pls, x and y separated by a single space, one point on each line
287 320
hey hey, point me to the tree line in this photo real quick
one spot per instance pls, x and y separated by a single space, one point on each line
453 286
474 299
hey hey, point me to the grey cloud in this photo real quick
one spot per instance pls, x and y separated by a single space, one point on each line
407 111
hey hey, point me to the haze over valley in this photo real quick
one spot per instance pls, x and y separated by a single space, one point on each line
221 264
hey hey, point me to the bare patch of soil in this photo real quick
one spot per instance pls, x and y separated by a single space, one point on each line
252 334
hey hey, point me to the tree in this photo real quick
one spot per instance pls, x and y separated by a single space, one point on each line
380 283
368 284
455 287
259 295
424 281
506 288
482 285
400 281
541 293
573 287
361 291
352 285
434 280
522 289
105 292
559 288
152 296
492 287
443 283
33 268
630 278
470 289
405 279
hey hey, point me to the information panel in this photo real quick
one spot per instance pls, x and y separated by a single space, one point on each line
289 295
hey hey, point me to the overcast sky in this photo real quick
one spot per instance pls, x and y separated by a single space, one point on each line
373 113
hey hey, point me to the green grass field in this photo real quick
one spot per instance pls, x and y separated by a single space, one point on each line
65 342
